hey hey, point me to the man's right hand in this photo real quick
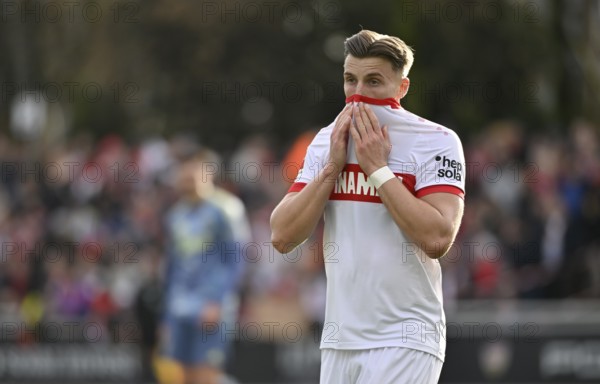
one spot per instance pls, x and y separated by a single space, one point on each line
297 215
338 147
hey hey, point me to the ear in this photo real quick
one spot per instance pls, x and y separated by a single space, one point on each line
404 85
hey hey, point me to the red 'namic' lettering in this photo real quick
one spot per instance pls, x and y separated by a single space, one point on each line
354 185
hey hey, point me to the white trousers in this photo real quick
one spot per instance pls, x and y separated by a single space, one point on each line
389 365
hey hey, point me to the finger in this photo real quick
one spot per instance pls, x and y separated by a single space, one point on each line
358 121
369 128
360 116
345 112
346 123
347 107
355 134
348 112
341 125
372 118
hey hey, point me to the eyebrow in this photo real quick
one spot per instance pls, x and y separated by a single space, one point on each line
370 74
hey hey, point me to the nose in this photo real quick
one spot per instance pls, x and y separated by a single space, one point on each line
359 88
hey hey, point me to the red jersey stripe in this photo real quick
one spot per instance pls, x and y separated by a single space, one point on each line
440 188
296 187
369 100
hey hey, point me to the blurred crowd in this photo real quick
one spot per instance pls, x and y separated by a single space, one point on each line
532 216
82 234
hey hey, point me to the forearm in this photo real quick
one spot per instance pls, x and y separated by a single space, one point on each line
420 221
295 218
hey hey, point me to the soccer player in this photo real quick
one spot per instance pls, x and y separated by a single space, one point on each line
390 185
206 230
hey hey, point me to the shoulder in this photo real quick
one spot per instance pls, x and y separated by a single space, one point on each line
228 204
319 145
233 213
323 136
434 134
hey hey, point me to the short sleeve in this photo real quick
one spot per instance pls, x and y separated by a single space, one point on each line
442 166
313 161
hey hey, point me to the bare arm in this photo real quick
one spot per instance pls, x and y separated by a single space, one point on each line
295 217
431 222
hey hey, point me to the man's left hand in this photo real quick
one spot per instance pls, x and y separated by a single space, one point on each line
372 142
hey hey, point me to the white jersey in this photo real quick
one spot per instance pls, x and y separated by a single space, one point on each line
383 290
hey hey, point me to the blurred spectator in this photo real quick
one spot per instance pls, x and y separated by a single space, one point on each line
206 230
82 239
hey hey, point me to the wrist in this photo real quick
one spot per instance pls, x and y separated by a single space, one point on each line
331 171
382 176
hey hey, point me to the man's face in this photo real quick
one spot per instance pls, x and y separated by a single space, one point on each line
186 179
373 77
192 181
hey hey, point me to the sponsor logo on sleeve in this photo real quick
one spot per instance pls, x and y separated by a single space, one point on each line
449 168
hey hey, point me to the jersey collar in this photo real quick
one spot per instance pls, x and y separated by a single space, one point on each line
370 100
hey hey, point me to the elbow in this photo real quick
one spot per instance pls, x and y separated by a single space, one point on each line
438 247
437 243
277 238
282 244
277 241
436 254
282 238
